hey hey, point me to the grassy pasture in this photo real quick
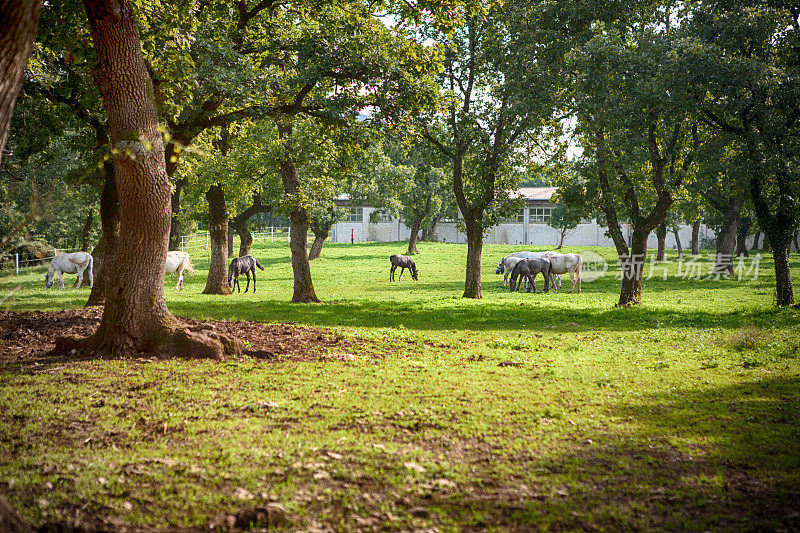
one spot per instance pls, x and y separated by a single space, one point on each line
517 411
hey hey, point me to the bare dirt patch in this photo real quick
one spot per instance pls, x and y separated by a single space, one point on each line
27 336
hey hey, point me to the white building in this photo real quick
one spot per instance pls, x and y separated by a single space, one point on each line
530 227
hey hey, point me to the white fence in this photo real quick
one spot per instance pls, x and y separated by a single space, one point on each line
18 264
196 241
202 239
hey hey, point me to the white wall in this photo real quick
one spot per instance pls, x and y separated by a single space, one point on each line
538 234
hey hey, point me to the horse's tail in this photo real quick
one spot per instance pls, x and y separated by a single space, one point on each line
258 264
578 270
187 265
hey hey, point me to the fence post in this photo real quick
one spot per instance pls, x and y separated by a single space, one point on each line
289 234
181 243
17 263
271 234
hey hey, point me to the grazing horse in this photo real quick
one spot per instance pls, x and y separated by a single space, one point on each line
243 265
70 264
178 261
404 262
563 264
507 263
528 268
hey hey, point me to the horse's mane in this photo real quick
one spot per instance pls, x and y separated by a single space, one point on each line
187 265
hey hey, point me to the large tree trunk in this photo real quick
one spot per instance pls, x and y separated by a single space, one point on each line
106 250
18 20
784 294
245 239
320 235
726 238
756 239
239 224
696 237
678 244
741 237
632 269
472 285
298 243
661 235
135 317
217 282
412 240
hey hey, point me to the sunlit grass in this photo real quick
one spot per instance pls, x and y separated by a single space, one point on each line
516 411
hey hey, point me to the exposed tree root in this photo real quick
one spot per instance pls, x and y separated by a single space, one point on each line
10 519
169 342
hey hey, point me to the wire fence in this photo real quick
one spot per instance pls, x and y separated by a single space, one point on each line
25 262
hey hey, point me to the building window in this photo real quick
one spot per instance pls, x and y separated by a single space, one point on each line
521 216
355 214
384 216
539 215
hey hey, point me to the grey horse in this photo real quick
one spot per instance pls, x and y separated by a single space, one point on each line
404 262
528 268
243 265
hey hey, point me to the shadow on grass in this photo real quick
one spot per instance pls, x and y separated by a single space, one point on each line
535 315
694 459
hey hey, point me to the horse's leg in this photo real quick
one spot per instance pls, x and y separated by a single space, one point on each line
60 279
179 283
572 282
402 269
254 281
80 277
248 281
391 272
505 279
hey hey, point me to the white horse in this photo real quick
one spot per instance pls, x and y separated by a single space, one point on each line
178 261
508 262
70 264
562 264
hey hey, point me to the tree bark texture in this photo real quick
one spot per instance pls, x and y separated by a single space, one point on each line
632 270
726 238
784 294
472 284
741 237
696 237
303 291
217 281
756 239
320 235
412 240
661 235
18 21
239 224
135 316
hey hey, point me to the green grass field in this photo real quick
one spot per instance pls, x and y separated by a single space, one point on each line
517 411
